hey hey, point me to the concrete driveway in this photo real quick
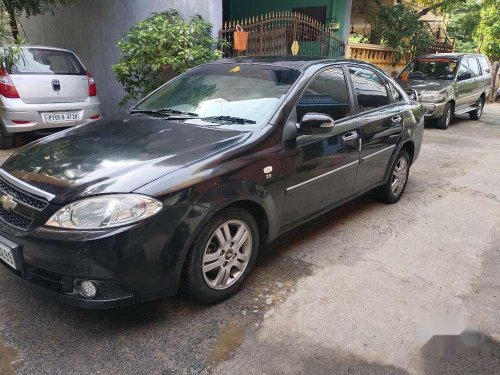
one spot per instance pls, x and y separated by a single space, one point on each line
368 288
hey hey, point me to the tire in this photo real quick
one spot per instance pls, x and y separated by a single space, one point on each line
388 193
444 121
6 140
476 114
217 268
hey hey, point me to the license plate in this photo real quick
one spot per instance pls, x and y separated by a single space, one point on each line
60 117
7 255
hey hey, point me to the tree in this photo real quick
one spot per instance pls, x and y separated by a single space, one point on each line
488 31
15 8
436 6
399 27
463 25
10 50
476 27
160 47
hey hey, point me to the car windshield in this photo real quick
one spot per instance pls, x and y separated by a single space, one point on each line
223 94
47 61
429 68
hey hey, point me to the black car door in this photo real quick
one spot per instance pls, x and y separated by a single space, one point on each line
322 168
381 123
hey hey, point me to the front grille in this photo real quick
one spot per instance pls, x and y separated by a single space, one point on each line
14 219
21 196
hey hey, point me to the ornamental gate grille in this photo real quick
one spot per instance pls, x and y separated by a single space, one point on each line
274 33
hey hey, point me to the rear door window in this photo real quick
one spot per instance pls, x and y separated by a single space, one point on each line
369 88
47 61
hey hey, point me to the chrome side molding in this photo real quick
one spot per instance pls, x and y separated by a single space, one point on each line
378 152
288 189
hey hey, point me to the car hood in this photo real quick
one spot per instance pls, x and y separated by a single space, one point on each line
116 155
425 85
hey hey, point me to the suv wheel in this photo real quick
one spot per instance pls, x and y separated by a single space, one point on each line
222 256
476 114
444 121
395 186
6 140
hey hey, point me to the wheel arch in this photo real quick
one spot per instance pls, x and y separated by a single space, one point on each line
409 147
258 212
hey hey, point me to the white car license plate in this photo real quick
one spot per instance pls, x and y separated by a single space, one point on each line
7 255
60 117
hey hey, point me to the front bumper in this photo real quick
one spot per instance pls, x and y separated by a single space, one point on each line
12 110
130 264
433 110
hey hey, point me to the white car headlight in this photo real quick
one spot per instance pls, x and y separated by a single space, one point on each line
105 211
432 97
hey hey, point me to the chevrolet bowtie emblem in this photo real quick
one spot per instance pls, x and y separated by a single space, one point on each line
7 202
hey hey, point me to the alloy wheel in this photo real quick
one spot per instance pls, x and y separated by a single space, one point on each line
479 109
227 254
448 117
399 176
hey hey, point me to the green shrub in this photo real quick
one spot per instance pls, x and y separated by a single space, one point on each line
160 47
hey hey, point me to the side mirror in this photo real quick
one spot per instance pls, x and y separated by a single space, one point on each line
464 76
413 94
315 123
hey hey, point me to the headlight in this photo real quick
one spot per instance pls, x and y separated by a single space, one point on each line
433 97
105 211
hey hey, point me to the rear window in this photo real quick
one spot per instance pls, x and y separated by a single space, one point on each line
47 61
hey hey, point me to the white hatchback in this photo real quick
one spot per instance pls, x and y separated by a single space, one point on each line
48 88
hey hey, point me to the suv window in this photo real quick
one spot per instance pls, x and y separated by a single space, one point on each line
473 67
463 68
47 61
327 93
396 95
370 90
485 65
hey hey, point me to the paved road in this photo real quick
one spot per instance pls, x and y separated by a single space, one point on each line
368 288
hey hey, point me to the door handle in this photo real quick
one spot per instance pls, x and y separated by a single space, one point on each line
349 136
396 119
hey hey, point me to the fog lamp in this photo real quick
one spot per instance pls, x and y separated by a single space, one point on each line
87 289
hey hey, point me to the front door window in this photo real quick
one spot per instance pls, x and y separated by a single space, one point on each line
327 94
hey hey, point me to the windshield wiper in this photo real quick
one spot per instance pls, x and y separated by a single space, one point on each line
176 112
168 111
231 119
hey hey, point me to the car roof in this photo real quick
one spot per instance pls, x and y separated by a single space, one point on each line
297 62
25 46
454 55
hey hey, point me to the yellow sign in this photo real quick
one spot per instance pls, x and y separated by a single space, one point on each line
235 69
295 47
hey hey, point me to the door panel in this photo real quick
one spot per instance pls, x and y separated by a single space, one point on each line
380 133
476 79
381 124
464 87
322 168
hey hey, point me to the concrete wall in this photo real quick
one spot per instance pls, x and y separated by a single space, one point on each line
91 28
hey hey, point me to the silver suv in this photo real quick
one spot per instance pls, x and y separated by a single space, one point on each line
48 88
448 84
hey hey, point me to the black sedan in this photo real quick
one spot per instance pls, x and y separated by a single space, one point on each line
184 188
